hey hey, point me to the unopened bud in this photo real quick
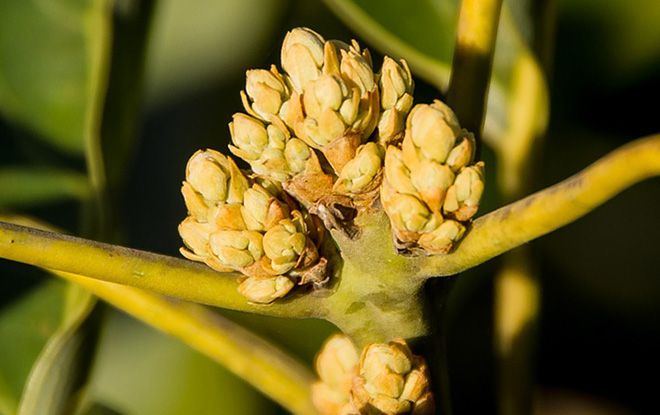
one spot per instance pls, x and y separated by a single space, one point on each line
302 56
265 290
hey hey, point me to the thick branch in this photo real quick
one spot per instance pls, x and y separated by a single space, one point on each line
549 209
159 273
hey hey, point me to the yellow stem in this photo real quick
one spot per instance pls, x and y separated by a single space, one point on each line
549 209
243 353
159 273
473 60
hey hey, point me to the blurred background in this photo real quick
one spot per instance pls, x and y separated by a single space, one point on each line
600 318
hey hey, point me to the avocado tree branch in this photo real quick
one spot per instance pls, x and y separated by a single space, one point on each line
159 273
549 209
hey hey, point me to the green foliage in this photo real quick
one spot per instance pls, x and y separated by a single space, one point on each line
49 65
25 327
24 187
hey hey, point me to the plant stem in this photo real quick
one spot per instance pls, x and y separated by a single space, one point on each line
162 274
245 354
549 209
473 60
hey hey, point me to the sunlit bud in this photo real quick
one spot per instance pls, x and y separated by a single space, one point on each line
236 249
302 56
442 239
361 171
265 290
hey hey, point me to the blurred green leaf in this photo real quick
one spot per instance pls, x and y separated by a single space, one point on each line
423 33
25 327
25 186
62 368
627 34
50 62
197 42
142 371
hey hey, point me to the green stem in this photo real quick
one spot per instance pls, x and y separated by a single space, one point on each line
243 353
473 60
549 209
162 274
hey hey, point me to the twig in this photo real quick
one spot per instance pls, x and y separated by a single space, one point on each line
549 209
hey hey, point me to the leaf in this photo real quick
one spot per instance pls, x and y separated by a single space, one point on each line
142 371
51 64
424 35
25 186
25 327
63 365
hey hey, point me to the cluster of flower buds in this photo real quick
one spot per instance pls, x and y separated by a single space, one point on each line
327 136
431 186
386 379
313 126
249 225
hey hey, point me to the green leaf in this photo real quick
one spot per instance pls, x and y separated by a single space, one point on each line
25 327
142 371
424 35
51 66
25 186
56 379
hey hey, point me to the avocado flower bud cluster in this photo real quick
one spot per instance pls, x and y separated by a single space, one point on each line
240 224
385 379
327 139
431 186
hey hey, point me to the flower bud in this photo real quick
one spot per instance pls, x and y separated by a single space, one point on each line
284 244
268 148
396 88
237 249
265 290
215 177
302 56
336 365
442 239
463 197
360 172
462 153
432 131
391 380
265 93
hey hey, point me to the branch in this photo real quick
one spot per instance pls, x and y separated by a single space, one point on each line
473 60
243 353
162 274
549 209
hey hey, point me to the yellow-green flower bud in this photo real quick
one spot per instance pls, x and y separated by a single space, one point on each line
361 172
195 236
463 197
463 153
265 290
357 70
391 380
237 249
330 107
302 56
432 131
265 93
336 365
215 177
442 239
269 149
284 244
396 100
